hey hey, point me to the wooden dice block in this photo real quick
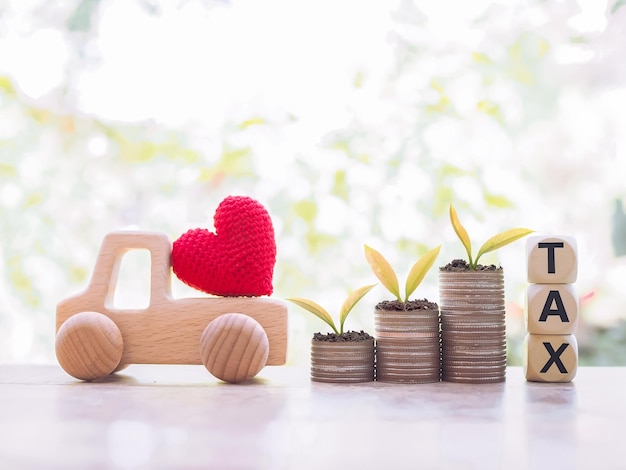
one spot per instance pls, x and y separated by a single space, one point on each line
550 358
552 259
551 309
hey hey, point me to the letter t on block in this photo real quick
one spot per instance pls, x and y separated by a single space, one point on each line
550 358
552 259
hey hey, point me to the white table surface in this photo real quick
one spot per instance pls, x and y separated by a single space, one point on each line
180 417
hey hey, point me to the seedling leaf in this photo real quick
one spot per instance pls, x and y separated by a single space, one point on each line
419 270
502 239
383 271
461 233
316 310
350 302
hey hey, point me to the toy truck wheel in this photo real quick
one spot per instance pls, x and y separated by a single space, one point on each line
234 347
89 346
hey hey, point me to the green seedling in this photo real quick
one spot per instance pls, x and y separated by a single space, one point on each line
495 242
346 308
385 273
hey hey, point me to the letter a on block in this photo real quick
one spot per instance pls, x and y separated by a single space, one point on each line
551 309
550 358
552 259
554 298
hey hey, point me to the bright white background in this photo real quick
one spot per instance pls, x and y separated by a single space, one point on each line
353 122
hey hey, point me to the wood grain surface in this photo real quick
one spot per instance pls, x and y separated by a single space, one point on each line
180 417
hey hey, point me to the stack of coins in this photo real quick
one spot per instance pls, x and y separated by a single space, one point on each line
342 362
408 345
473 327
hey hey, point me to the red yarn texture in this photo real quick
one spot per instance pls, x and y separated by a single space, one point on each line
237 260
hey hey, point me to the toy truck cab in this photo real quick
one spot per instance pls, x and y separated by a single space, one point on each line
94 338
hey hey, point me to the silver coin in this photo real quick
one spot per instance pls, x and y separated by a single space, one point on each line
473 340
495 320
348 352
473 278
415 316
415 366
498 309
473 320
478 336
473 316
478 363
474 380
470 353
409 371
446 374
341 379
382 375
401 334
408 366
430 378
410 345
471 301
476 355
478 349
464 378
477 332
410 358
408 354
462 348
478 329
351 359
449 372
473 345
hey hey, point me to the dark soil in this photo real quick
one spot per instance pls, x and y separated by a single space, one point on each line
346 337
460 265
395 305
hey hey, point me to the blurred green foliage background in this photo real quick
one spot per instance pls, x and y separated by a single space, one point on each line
352 122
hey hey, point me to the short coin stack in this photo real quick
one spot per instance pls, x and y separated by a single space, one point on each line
473 328
407 343
342 362
550 348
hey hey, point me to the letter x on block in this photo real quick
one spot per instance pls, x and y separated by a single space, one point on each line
555 358
550 358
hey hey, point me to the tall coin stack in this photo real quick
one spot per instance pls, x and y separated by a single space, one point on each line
551 315
473 332
407 342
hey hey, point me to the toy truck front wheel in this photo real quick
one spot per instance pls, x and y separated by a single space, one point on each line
234 347
89 346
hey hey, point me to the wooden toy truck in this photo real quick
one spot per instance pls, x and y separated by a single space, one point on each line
234 337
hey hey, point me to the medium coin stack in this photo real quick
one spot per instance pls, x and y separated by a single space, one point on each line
342 362
408 345
473 326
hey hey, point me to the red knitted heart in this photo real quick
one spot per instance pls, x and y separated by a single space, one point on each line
237 260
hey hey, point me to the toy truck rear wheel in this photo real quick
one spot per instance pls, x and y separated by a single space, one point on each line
234 347
89 346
